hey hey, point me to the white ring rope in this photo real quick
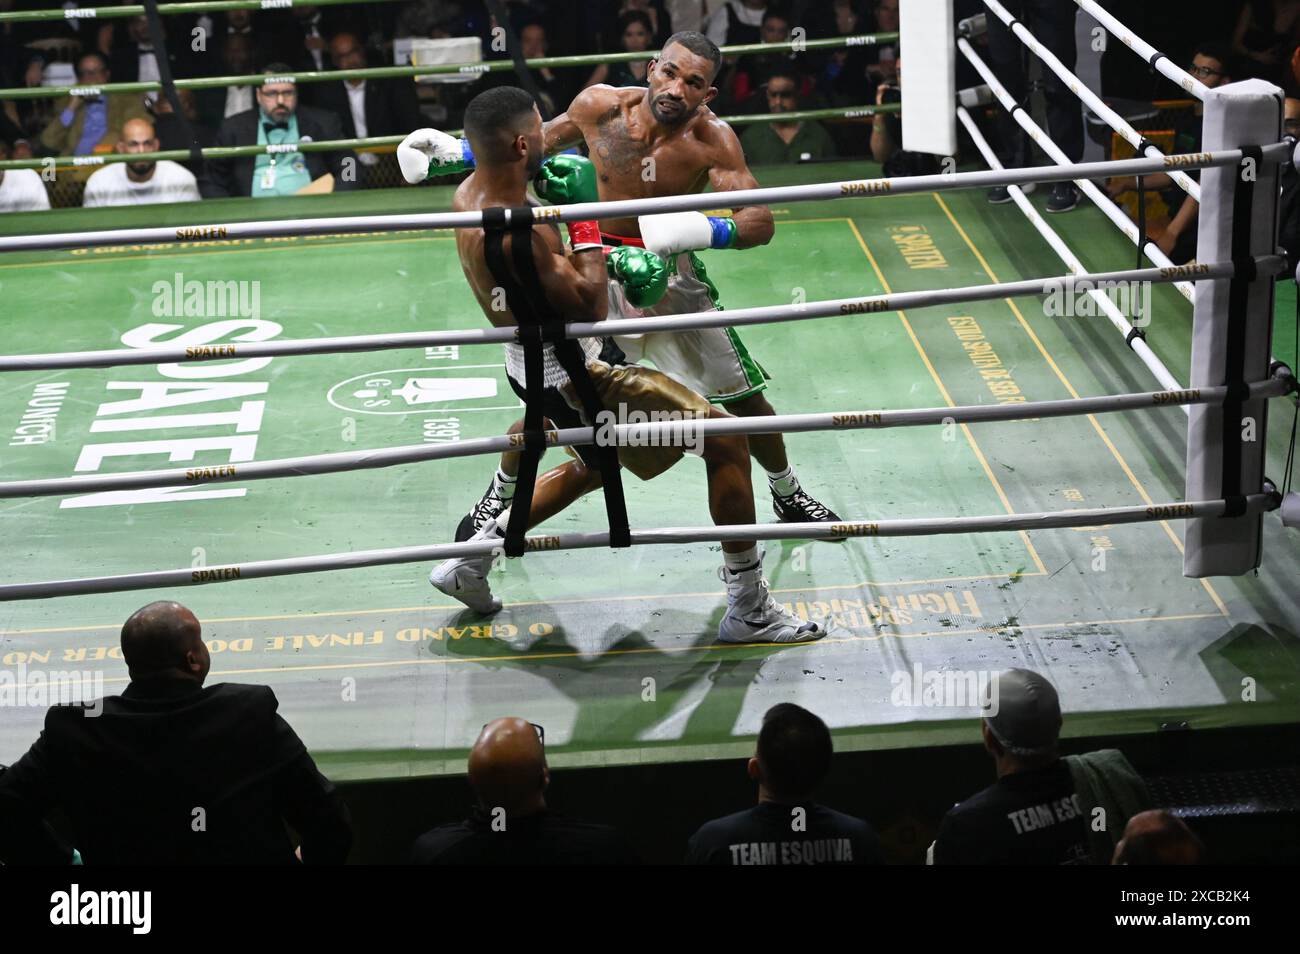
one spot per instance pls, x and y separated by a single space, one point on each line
1099 198
1142 48
764 314
657 433
1091 99
629 208
930 526
1117 318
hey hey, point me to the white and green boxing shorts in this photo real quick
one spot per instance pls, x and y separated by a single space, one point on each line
710 361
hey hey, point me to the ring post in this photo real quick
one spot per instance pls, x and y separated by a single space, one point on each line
1232 327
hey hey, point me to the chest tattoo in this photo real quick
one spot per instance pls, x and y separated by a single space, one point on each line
619 154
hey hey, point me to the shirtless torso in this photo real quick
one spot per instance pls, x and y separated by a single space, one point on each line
637 157
574 285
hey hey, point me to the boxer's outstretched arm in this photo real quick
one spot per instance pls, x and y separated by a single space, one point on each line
564 131
754 224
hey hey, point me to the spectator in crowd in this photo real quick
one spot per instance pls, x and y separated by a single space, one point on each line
1266 32
1053 23
636 33
882 59
512 824
175 134
1158 838
1032 814
21 190
735 22
140 183
555 86
1211 65
774 143
887 137
787 826
171 772
752 71
259 34
303 42
1289 206
277 120
89 122
613 16
843 78
24 119
236 57
134 60
366 107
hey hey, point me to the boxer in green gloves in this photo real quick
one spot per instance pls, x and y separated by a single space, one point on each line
505 131
662 140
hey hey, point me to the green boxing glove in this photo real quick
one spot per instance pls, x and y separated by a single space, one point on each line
566 179
643 274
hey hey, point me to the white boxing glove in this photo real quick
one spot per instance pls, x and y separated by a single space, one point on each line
429 152
668 233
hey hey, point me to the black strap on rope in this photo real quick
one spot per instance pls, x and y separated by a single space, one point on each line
540 325
1143 241
159 41
523 72
1234 364
1134 333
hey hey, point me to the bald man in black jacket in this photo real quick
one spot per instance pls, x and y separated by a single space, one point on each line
171 772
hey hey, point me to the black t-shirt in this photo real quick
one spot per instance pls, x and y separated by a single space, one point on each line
765 835
1029 818
1289 215
1187 138
546 838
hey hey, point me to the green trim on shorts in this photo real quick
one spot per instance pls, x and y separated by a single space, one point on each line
698 267
756 375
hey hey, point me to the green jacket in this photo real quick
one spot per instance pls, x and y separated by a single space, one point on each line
1105 779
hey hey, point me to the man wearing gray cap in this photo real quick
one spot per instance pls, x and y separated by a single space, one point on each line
1032 814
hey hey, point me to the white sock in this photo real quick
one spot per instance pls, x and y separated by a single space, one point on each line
744 560
503 485
783 482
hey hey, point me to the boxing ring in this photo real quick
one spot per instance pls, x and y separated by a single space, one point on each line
613 650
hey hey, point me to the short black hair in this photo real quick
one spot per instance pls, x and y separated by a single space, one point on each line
794 751
1216 50
784 71
777 10
277 69
493 112
699 44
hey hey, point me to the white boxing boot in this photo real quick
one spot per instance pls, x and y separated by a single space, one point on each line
754 617
465 578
